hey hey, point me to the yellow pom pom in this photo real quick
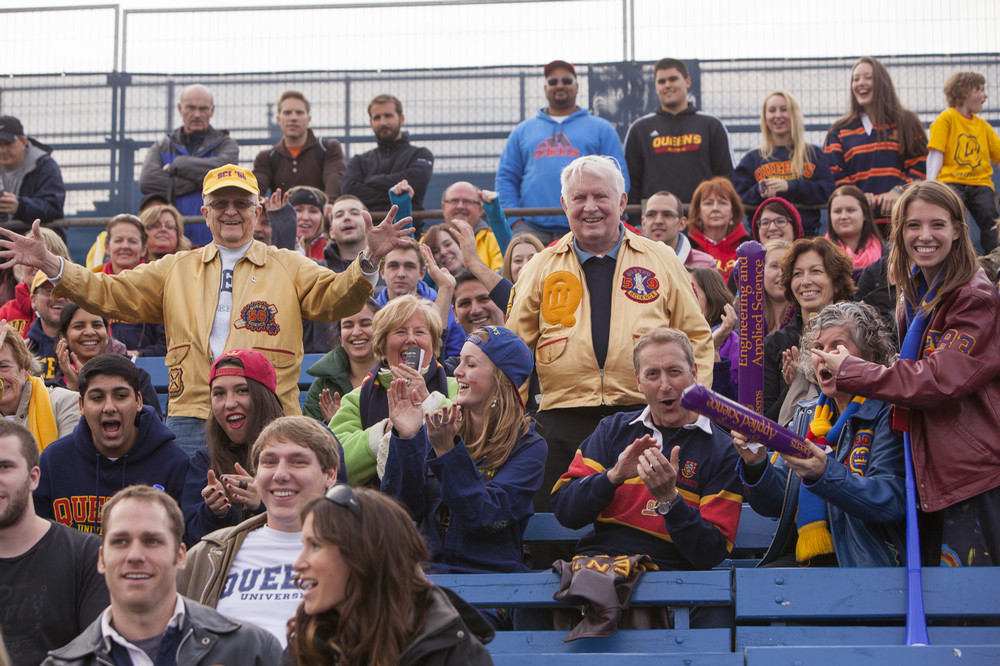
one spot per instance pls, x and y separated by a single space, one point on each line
814 539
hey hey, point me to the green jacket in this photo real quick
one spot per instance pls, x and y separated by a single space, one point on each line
361 442
333 372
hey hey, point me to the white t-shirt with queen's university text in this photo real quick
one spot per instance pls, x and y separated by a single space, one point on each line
260 586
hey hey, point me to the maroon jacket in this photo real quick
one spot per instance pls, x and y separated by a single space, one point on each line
954 392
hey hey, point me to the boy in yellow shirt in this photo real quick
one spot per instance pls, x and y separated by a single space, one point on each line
963 149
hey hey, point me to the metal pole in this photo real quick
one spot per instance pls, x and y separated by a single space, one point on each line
114 64
631 29
625 29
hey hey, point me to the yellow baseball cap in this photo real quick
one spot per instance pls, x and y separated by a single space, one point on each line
230 175
40 277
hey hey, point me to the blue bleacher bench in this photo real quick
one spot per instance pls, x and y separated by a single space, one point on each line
680 590
863 607
880 655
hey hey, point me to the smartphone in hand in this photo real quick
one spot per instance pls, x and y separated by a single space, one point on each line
415 357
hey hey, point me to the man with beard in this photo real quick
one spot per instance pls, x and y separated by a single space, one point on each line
370 175
49 586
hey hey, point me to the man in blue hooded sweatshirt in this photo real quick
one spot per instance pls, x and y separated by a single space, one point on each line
117 443
539 148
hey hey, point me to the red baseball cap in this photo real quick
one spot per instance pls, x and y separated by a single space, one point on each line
255 366
556 64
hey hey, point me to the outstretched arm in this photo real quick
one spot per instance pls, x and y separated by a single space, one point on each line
29 251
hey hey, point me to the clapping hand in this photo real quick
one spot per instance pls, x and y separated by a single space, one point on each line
405 412
442 427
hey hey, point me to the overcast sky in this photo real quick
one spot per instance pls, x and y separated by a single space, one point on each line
366 35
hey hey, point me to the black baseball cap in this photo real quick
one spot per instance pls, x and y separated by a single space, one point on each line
10 129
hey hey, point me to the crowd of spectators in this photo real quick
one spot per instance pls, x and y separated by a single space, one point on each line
481 369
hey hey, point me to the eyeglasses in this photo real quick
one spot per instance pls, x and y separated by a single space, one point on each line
159 225
221 206
666 215
778 222
566 80
464 202
342 495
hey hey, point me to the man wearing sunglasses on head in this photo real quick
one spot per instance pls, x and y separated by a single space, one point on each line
245 572
539 148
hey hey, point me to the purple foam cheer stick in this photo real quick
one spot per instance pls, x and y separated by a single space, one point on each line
753 426
753 326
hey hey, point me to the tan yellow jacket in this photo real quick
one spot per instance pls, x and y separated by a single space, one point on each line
209 561
550 310
272 291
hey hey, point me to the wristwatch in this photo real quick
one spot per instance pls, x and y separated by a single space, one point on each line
663 508
366 264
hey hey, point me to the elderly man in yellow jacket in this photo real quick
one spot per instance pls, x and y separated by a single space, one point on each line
233 293
582 303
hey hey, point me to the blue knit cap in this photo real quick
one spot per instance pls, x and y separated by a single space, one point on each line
507 351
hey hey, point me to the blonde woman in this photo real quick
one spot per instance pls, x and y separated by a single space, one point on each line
785 164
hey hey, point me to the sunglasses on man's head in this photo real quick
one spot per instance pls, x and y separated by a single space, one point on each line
566 80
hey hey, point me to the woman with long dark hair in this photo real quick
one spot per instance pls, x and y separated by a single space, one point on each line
344 368
717 305
365 599
853 229
877 146
946 375
84 335
242 385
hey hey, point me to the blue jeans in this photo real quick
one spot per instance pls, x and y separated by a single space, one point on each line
189 432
